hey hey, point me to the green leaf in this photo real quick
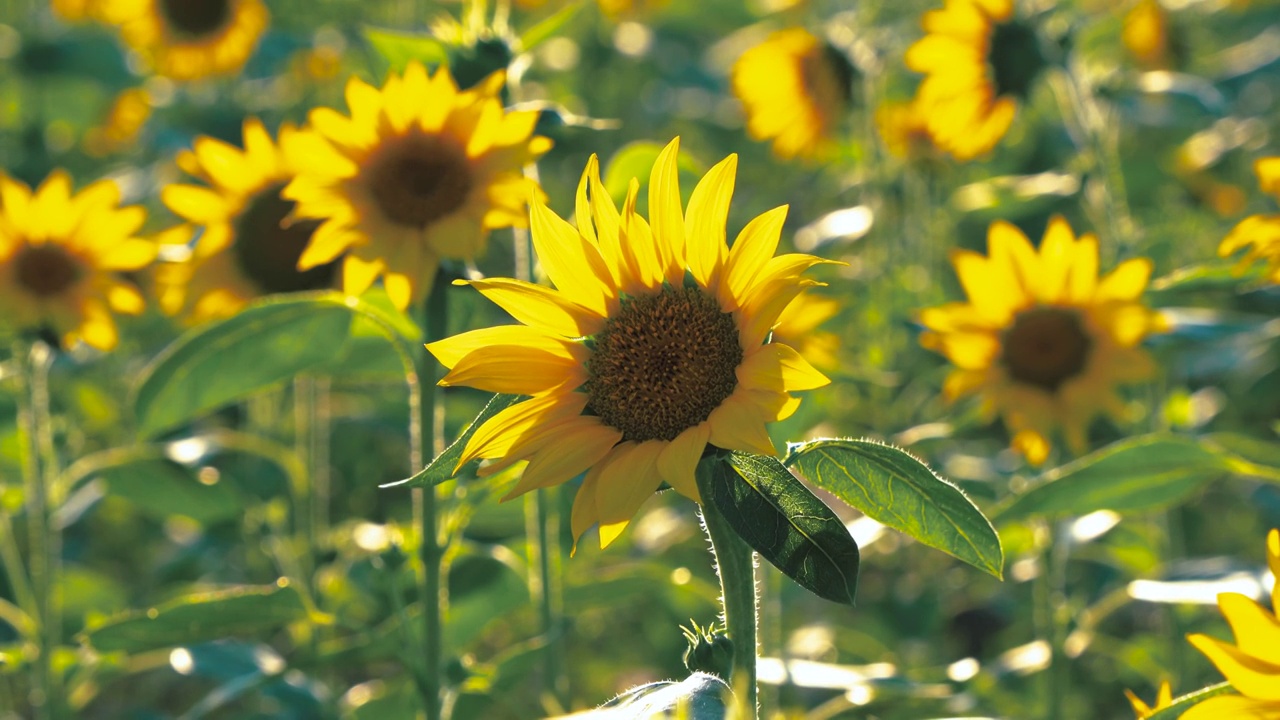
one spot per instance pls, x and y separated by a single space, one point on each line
1216 276
265 344
1133 475
399 49
1247 455
191 619
894 488
1184 703
775 514
547 27
162 488
441 469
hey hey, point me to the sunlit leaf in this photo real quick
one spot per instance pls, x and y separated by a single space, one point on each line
441 469
244 610
547 27
894 488
1137 474
398 49
777 516
161 488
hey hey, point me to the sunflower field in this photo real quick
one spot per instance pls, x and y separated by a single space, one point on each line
629 359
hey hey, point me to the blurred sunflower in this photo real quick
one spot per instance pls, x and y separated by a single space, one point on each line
190 39
60 255
419 171
1252 665
1259 233
1142 711
1042 339
795 88
652 347
979 62
904 128
122 125
1145 34
248 247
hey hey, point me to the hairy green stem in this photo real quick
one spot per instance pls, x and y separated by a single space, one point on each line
426 431
736 566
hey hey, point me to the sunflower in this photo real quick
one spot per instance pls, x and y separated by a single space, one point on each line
418 172
795 88
60 254
1042 339
979 62
1142 711
247 245
1252 665
654 346
1259 233
190 39
904 128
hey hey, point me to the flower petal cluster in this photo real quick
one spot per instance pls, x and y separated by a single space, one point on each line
1252 664
654 346
1042 339
420 170
61 255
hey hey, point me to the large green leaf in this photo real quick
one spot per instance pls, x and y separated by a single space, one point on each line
263 345
775 514
894 488
162 488
191 619
441 469
1137 474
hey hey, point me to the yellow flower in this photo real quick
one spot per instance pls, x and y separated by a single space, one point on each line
1164 698
1252 665
904 127
795 88
248 247
652 347
190 39
1259 233
420 171
797 326
1146 34
1042 339
60 254
122 125
979 62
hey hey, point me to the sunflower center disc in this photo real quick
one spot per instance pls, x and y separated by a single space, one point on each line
46 270
1046 347
662 364
828 77
267 251
1014 58
196 17
420 181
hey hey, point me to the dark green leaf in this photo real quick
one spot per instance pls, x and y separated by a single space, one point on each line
196 618
264 345
399 49
161 488
892 487
443 467
775 514
1137 474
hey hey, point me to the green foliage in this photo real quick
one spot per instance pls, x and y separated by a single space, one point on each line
779 518
891 486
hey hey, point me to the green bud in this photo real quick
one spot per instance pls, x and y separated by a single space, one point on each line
710 650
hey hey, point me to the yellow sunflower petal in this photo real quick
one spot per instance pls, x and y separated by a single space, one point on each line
97 329
125 299
451 350
678 461
1257 631
1082 281
1033 445
584 513
128 255
536 305
1273 560
779 367
571 261
737 425
201 206
1057 254
624 485
751 250
1234 707
1268 171
1140 708
500 433
1126 282
666 219
1252 676
638 247
359 274
579 446
993 290
705 248
515 370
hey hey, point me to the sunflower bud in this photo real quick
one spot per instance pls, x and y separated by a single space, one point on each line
710 651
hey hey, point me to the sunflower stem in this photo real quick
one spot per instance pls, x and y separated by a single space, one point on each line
1049 590
427 425
736 566
39 467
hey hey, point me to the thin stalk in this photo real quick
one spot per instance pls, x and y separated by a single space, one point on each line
302 489
1049 591
423 430
736 566
39 467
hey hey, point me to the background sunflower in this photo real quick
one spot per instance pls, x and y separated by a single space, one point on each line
190 39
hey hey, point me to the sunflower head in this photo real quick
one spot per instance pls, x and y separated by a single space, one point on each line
1043 339
61 255
190 39
246 244
795 88
655 345
1252 664
418 171
1259 234
979 63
